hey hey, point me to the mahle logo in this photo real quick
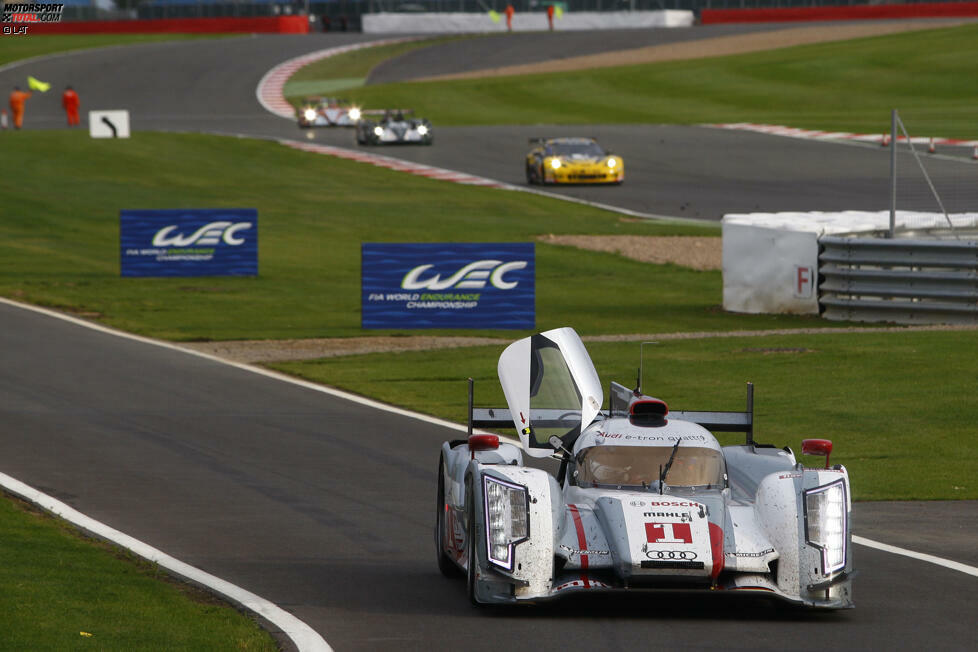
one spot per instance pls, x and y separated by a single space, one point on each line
472 276
207 235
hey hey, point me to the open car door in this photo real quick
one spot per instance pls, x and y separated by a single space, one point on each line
551 388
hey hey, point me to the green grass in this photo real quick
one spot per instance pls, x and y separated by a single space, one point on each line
61 192
15 48
349 70
849 86
62 591
902 424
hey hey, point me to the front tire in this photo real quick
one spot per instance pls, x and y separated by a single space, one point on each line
445 564
470 544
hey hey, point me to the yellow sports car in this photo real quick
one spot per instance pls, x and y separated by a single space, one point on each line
572 160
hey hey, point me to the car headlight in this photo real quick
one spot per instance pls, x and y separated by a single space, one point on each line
612 163
354 113
555 163
379 130
309 114
825 523
422 130
507 519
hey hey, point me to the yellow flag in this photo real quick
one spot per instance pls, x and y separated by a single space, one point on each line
558 11
494 16
37 85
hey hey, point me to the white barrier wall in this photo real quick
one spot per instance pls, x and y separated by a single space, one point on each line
770 260
456 23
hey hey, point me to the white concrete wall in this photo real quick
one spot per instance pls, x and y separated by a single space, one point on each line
459 23
770 260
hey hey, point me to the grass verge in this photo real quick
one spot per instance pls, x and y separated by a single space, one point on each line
63 591
59 242
15 49
342 72
842 86
901 424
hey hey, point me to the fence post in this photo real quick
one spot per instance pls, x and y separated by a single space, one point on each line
893 161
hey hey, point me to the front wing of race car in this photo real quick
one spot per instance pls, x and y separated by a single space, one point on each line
309 117
560 170
518 540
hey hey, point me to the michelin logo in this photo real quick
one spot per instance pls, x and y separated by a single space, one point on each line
472 276
207 235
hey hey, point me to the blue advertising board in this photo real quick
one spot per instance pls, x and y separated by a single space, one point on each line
448 285
189 242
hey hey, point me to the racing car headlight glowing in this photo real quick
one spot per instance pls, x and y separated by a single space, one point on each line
507 519
422 130
309 114
379 130
825 523
555 163
612 162
354 113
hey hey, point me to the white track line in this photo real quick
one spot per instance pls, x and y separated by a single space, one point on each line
811 134
947 563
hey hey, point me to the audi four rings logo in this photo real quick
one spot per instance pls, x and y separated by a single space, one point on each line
472 276
207 235
687 555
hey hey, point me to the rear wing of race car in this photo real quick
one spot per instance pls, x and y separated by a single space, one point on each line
620 398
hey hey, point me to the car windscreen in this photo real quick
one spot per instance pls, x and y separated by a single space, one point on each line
639 466
580 150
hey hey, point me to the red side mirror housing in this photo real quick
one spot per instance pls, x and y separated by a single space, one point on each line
483 442
817 447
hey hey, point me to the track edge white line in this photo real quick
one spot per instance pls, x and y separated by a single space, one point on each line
919 556
305 638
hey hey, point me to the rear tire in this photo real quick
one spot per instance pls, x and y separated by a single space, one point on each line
445 563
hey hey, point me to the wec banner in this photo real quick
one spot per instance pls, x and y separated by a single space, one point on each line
448 285
192 242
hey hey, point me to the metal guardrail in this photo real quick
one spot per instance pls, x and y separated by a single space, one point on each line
906 281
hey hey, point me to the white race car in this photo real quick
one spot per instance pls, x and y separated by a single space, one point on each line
642 499
328 112
395 128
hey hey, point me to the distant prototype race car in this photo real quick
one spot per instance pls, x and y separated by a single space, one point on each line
572 160
328 112
643 498
395 129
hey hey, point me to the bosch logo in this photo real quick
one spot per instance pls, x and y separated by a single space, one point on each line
472 276
207 235
687 555
678 503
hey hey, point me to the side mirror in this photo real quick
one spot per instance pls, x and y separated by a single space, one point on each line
817 447
558 444
483 443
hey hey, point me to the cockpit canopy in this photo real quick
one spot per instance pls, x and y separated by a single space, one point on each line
639 466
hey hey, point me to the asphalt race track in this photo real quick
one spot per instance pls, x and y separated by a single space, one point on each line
675 171
325 507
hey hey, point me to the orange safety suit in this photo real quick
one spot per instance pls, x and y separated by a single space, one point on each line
550 16
17 99
509 17
70 101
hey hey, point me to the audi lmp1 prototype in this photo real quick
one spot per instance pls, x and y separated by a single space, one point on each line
643 498
328 112
572 160
395 129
